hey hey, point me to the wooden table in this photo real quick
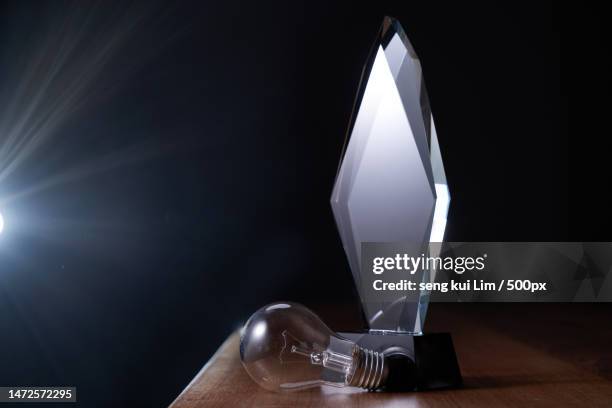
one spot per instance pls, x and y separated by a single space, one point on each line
511 355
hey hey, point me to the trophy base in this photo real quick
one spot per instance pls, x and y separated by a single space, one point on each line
416 362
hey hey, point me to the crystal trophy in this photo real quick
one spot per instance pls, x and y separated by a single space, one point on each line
391 188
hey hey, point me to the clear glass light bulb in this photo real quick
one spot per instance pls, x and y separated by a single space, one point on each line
286 347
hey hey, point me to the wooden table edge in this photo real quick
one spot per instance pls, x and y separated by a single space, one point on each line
226 343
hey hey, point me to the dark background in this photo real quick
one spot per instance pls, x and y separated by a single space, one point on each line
214 134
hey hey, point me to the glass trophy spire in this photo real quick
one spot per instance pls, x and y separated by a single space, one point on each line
391 185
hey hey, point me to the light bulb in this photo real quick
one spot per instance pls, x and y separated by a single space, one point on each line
286 347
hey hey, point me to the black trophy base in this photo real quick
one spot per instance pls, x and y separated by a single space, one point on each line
416 362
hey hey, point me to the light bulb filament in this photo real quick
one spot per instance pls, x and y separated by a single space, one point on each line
334 361
315 358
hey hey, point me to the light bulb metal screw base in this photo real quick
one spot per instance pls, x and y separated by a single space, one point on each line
371 370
